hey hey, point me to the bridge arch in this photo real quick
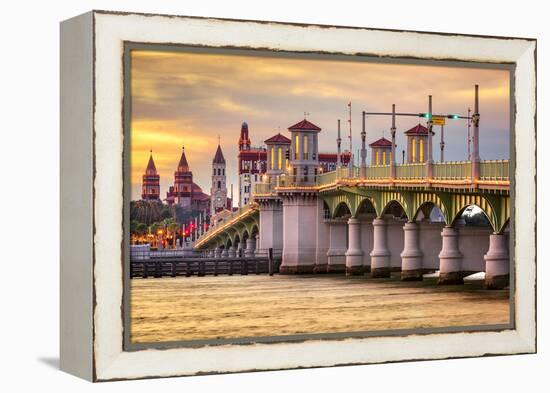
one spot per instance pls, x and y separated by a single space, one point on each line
484 212
387 198
245 235
395 208
367 206
496 209
420 200
342 210
236 240
255 230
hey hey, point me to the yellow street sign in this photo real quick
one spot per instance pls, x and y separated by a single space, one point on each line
438 121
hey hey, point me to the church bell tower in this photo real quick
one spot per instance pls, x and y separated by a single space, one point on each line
218 191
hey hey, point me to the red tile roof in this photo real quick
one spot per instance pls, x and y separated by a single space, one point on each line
382 142
304 125
419 129
279 138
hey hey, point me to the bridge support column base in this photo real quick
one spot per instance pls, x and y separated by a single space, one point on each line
497 282
380 272
320 269
300 269
412 275
451 278
336 268
355 270
497 263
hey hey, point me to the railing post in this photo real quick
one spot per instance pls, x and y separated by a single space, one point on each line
174 269
270 261
187 269
158 269
201 269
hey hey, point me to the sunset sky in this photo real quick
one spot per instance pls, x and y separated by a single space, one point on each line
186 98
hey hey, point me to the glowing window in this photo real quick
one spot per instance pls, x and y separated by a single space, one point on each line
280 159
421 150
413 148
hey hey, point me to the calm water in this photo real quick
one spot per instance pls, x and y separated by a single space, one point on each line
190 308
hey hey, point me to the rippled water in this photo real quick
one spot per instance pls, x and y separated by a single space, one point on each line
191 308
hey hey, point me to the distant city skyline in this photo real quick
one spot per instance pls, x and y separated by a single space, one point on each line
189 99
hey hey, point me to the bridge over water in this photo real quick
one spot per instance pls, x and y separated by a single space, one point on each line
377 219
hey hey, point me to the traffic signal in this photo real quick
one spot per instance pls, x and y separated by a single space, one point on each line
287 154
425 115
454 117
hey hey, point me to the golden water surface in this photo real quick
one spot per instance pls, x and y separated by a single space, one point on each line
191 308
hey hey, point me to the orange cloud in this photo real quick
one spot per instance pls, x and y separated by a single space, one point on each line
192 97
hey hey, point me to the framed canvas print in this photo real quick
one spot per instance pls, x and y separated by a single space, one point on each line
249 195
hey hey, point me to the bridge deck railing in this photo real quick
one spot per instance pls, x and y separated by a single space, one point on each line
410 171
264 188
494 170
452 170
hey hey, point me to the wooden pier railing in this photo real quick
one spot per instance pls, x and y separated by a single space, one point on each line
173 266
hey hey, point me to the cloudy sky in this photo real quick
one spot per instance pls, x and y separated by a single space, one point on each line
191 98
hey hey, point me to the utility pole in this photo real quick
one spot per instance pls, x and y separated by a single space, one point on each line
350 165
392 130
339 146
429 162
363 171
442 145
475 122
469 137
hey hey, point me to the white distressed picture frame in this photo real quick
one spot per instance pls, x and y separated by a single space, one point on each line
92 88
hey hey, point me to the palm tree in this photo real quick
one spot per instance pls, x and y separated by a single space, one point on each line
173 228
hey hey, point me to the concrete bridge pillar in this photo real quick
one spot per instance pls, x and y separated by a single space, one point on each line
217 252
232 252
411 257
299 235
224 253
354 253
336 254
366 241
380 255
323 239
497 263
450 258
271 225
257 246
250 246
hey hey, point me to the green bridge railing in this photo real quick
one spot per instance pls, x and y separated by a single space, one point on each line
490 170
